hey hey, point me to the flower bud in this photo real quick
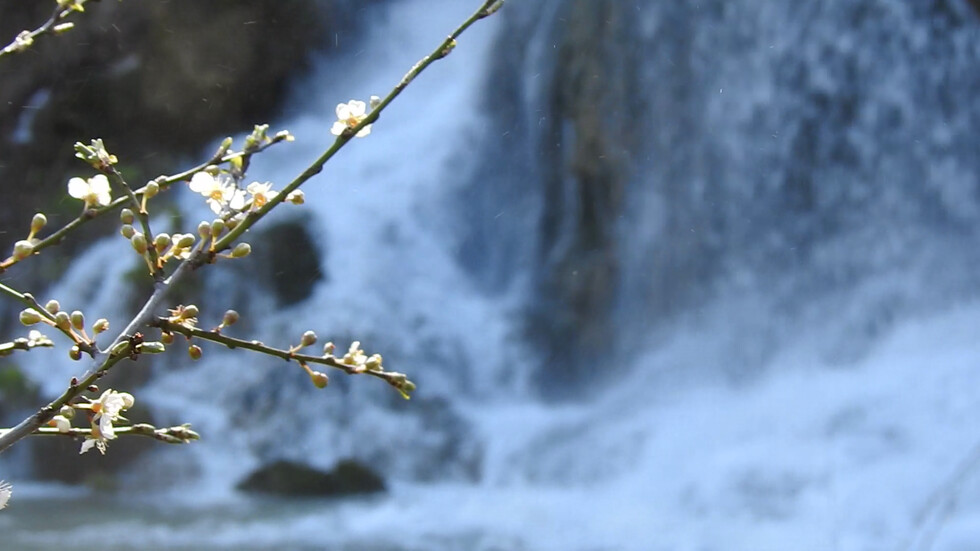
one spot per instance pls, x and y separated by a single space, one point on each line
23 249
296 197
161 241
60 422
75 353
194 351
67 412
185 241
151 189
373 363
139 242
308 339
229 318
241 250
204 229
101 325
38 222
320 380
29 316
62 321
126 216
52 306
217 227
328 349
374 102
127 231
78 320
152 348
167 338
189 311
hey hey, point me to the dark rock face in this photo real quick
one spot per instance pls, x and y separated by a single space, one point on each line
156 80
287 478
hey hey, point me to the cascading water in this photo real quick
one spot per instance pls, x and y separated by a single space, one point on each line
736 238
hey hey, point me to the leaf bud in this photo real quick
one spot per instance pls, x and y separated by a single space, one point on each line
194 351
152 347
30 316
139 242
126 216
241 250
52 306
229 318
308 339
101 325
120 348
23 249
127 231
320 380
38 222
78 320
62 321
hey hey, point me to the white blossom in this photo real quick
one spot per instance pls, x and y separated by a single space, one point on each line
220 192
349 115
95 191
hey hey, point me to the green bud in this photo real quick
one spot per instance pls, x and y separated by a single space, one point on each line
190 311
328 349
151 189
127 231
75 353
185 241
78 320
308 339
217 227
161 242
23 249
204 229
67 412
296 197
167 338
126 216
101 325
152 348
230 318
38 222
62 321
194 351
120 348
241 250
30 316
320 380
139 242
53 306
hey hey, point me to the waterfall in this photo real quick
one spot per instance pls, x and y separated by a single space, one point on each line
669 275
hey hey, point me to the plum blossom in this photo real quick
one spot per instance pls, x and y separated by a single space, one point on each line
261 194
95 191
220 192
349 115
107 409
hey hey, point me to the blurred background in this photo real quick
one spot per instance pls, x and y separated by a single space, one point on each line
669 275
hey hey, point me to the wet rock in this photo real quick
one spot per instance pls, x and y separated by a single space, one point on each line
289 478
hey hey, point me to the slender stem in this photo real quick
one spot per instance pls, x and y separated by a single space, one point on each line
172 435
391 377
58 14
156 270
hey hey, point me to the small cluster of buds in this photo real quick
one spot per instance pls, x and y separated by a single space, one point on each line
72 324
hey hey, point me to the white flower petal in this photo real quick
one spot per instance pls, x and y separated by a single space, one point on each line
343 111
87 444
364 131
338 128
202 183
99 184
357 108
78 188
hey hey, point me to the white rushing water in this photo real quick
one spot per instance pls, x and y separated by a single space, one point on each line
819 449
